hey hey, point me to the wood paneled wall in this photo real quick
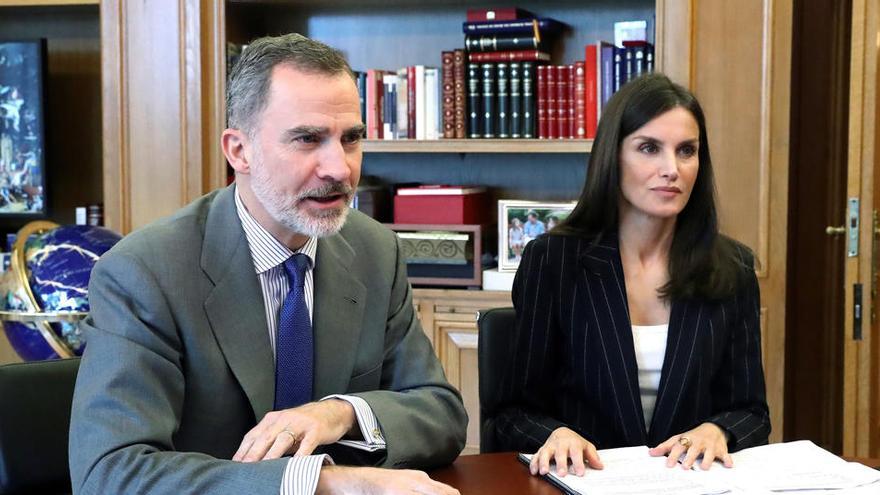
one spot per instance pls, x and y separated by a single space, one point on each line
742 72
153 109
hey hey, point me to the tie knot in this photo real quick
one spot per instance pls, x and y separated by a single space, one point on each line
296 267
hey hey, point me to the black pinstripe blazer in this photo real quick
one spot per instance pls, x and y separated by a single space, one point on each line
574 363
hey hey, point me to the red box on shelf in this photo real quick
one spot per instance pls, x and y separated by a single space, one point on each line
454 205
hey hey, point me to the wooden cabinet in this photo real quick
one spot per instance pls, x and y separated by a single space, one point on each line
449 318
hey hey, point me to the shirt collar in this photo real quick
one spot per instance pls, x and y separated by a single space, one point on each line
267 251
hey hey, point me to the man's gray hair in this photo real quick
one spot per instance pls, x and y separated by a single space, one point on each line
247 89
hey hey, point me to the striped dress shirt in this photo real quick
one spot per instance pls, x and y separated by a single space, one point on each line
302 472
574 362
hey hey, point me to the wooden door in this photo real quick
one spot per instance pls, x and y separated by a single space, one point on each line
861 375
817 200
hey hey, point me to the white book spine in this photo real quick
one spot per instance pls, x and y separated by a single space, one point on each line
432 111
420 102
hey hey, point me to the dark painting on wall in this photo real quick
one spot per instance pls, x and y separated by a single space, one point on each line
22 131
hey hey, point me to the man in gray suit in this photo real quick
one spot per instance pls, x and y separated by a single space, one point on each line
190 379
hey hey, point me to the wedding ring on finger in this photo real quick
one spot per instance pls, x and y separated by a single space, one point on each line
293 436
685 441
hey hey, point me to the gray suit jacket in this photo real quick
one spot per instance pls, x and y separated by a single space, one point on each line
178 365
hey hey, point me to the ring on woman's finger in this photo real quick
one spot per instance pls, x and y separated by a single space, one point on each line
684 441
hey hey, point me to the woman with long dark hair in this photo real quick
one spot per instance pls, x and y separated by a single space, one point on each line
637 322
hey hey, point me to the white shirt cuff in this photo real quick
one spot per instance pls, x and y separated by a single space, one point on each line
369 425
302 473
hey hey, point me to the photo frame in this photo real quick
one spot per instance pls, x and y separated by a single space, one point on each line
519 222
22 129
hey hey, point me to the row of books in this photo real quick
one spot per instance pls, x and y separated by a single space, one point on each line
499 100
400 104
498 85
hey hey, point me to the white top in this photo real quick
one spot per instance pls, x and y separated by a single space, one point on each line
650 346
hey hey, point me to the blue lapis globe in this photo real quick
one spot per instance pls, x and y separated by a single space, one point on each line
58 263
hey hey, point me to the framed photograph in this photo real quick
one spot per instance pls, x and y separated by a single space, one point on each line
22 129
519 222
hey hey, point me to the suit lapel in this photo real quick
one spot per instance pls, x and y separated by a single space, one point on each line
338 315
685 320
606 289
235 307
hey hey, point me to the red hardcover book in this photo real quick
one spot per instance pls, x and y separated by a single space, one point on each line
411 102
469 207
458 66
566 103
591 83
542 102
375 94
510 56
498 14
552 102
448 103
439 190
580 101
572 102
562 105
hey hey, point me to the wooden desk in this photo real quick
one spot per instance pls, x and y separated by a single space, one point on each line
503 473
873 462
492 473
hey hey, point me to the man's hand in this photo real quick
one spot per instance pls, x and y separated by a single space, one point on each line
707 439
302 428
564 444
368 480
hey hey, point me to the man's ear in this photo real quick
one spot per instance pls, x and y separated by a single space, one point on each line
235 143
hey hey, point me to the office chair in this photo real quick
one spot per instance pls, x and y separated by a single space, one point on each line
493 348
35 399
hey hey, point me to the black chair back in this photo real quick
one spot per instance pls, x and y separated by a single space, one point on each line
35 399
495 343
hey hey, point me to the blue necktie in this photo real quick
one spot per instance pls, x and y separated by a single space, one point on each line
294 344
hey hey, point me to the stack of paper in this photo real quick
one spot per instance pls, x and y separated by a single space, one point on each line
775 468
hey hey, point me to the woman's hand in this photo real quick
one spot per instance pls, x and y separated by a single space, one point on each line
707 439
562 445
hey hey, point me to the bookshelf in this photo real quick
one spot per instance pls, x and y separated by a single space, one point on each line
478 146
405 32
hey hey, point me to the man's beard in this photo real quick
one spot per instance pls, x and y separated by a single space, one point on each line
286 209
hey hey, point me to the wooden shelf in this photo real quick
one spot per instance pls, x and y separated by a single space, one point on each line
46 3
478 146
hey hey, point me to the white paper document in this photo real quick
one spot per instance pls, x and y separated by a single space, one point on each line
777 468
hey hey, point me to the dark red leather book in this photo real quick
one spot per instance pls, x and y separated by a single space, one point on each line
542 102
375 94
552 102
448 102
509 56
580 103
498 14
459 81
566 92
